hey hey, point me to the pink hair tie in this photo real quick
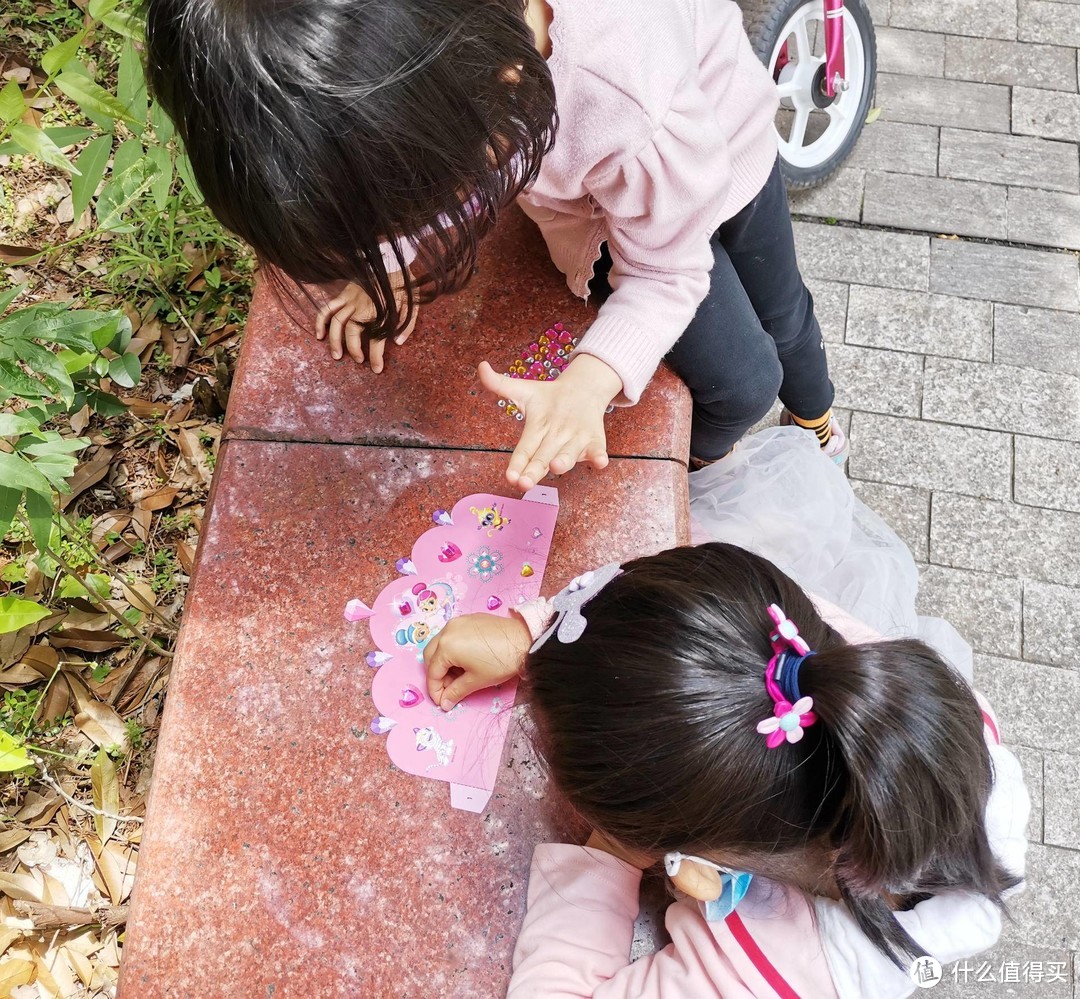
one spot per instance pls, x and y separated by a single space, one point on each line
789 719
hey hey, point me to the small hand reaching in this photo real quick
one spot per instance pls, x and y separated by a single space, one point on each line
472 652
343 318
564 419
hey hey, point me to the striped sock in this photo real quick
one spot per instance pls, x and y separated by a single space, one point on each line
822 426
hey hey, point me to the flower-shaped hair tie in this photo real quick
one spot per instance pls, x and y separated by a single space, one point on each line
569 623
791 712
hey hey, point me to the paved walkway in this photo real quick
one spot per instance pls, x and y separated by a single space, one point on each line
949 292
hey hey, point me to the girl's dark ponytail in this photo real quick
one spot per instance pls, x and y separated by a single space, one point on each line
649 725
909 825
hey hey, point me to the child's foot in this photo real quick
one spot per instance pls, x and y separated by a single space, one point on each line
833 440
697 464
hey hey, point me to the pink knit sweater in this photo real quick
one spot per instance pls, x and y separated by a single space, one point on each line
666 130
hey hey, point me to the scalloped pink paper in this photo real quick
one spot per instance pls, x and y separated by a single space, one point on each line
488 554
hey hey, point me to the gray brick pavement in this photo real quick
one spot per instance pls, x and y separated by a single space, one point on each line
935 204
920 322
1023 161
1009 274
977 141
1037 338
990 60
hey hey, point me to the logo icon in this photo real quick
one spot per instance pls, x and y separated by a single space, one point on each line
925 972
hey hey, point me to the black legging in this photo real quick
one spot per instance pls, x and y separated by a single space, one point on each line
755 336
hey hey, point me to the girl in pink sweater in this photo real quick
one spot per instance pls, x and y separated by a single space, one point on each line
373 143
831 811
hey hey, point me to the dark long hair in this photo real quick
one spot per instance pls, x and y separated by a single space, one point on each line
647 723
319 128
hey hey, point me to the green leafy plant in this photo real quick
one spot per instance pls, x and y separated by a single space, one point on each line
52 359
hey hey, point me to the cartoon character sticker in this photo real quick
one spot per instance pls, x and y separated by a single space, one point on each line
490 518
428 739
424 611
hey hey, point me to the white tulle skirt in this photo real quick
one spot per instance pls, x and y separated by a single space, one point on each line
776 495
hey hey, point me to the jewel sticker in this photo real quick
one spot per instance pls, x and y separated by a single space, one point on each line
485 563
449 552
410 696
380 724
442 518
526 570
377 659
405 566
357 610
537 533
493 603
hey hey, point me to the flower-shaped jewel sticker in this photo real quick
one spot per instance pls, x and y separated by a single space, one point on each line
485 563
788 721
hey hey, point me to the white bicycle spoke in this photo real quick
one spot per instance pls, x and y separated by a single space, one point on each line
799 126
802 42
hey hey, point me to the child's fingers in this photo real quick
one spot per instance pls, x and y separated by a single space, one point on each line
502 385
354 339
336 335
437 666
540 462
322 320
376 348
461 687
531 439
407 332
595 453
569 455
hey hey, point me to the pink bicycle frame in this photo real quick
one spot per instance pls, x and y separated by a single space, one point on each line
835 68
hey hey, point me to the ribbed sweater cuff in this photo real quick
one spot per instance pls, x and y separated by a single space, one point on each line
628 349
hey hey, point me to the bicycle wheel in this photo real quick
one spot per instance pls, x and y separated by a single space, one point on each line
816 132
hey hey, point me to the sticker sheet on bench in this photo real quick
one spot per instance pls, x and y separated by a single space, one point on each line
488 554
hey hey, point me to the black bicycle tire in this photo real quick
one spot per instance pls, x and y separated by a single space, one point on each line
764 30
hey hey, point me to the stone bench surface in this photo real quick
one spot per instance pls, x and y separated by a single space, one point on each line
283 855
288 387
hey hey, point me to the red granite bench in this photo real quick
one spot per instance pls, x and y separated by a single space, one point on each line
283 855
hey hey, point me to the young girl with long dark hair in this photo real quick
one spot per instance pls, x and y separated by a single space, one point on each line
833 806
373 142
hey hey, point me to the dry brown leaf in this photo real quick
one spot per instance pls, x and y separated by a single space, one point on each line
156 499
186 554
13 645
141 596
17 254
42 658
88 641
18 675
140 521
80 964
88 474
141 407
193 450
102 726
37 806
116 865
80 420
11 838
20 885
112 522
56 701
8 935
15 972
106 794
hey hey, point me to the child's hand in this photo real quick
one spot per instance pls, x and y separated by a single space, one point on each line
342 320
472 652
564 419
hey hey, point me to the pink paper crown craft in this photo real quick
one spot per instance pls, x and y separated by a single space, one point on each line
542 361
488 553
